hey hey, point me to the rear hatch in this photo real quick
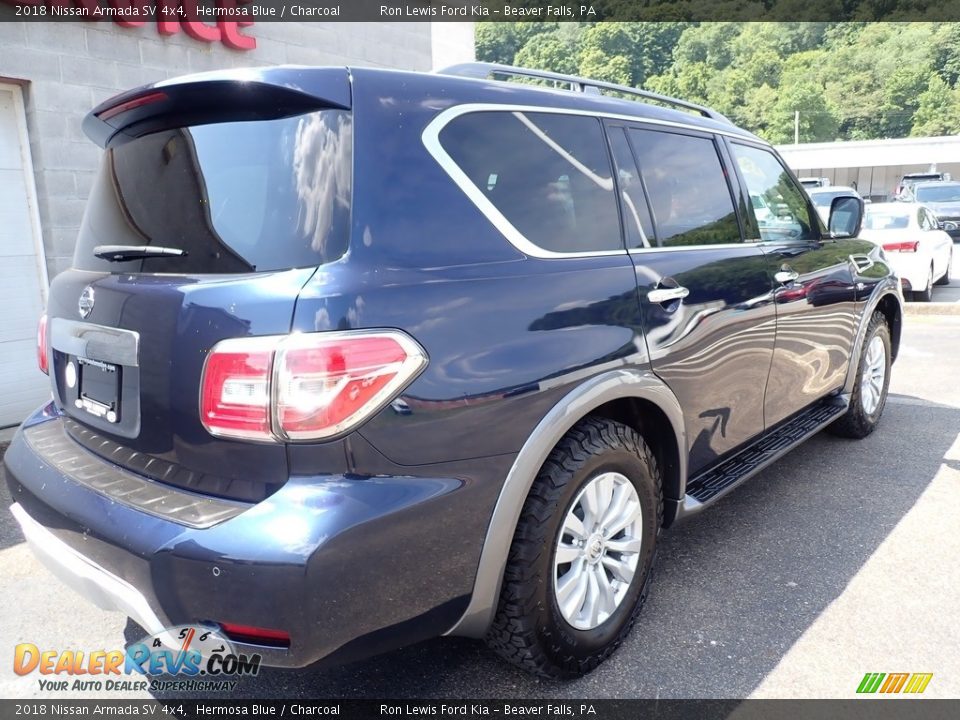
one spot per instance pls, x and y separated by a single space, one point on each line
217 198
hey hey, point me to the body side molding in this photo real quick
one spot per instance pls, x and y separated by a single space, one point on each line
593 393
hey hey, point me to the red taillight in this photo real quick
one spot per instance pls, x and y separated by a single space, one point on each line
255 635
42 359
306 386
901 246
123 107
235 391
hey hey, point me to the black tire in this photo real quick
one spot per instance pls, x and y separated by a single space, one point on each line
857 422
925 295
529 629
945 280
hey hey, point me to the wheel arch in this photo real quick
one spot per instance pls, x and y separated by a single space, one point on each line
653 424
892 310
631 396
887 299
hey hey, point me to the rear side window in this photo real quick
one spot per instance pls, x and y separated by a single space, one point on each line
688 189
237 197
548 175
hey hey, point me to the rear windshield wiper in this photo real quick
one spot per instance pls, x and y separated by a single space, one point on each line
121 253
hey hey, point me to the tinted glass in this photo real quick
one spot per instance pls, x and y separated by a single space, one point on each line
688 190
886 221
636 213
824 199
548 175
237 197
938 193
786 215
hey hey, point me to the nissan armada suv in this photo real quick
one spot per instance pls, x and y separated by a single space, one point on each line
349 358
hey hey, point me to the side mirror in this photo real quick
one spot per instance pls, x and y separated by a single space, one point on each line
846 216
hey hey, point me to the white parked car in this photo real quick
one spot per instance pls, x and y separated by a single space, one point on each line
823 196
917 249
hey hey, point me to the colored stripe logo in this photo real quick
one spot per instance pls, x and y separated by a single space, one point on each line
892 683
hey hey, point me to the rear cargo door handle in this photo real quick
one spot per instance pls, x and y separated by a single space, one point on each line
663 295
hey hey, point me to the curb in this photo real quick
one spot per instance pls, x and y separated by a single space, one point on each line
932 308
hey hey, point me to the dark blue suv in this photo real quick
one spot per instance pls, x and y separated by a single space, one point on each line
350 358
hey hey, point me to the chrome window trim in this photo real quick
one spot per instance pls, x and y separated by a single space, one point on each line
716 246
431 141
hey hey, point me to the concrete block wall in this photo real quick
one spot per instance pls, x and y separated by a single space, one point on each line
68 68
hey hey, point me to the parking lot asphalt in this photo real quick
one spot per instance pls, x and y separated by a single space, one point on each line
842 558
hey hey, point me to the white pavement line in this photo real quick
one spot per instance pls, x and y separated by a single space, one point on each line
898 613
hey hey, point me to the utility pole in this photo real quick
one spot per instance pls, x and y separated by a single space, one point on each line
796 127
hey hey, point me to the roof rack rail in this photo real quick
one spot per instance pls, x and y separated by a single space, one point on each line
484 71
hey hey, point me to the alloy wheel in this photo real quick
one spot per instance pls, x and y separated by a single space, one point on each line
598 550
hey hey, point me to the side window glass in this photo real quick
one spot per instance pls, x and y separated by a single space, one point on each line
922 219
547 174
688 189
780 206
636 214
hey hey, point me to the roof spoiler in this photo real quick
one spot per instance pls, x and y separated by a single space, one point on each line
248 94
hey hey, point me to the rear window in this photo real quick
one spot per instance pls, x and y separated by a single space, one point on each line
237 197
824 199
939 193
885 221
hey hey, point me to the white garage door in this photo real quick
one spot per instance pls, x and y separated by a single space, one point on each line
22 276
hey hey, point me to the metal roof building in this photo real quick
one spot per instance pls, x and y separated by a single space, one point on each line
875 166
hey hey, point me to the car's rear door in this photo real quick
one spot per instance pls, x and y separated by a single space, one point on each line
705 294
815 285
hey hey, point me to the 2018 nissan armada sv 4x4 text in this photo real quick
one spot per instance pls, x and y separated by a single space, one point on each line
349 358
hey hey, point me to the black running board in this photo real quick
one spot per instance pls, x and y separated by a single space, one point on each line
710 486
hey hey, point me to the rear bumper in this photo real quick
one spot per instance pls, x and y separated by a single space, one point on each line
349 566
100 586
912 267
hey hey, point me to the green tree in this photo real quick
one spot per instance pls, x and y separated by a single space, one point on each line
938 110
851 80
946 42
500 42
596 64
554 51
818 118
710 44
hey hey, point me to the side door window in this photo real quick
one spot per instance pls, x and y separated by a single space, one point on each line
780 206
545 176
690 197
636 213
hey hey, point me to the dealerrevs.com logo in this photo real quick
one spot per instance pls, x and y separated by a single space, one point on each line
185 658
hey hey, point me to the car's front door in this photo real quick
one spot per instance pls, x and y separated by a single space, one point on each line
814 285
705 295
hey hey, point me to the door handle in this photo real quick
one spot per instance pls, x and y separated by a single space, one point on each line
662 295
785 277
